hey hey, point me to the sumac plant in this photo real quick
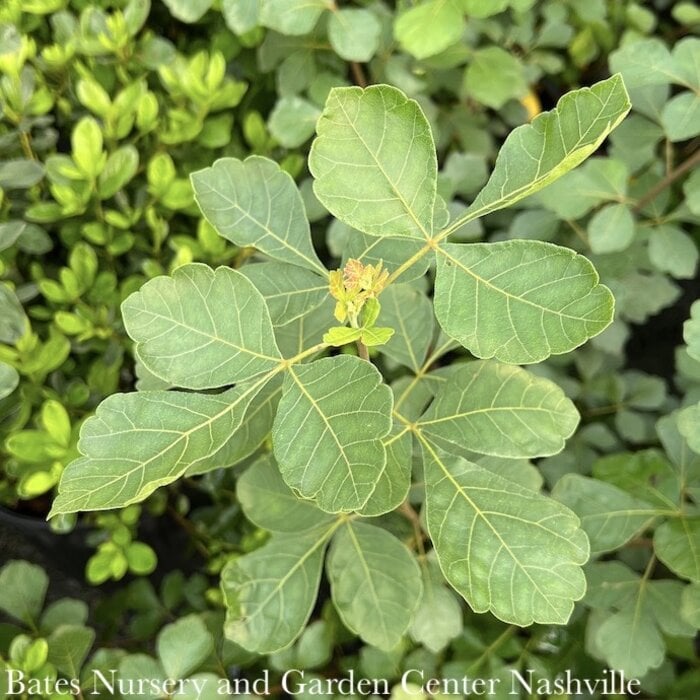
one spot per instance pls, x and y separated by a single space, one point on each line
287 350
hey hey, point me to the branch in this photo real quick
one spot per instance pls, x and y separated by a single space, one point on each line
661 185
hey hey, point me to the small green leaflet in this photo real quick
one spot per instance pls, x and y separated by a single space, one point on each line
137 442
375 583
554 142
500 410
609 515
374 162
504 548
677 545
256 203
194 329
269 503
519 301
327 435
270 593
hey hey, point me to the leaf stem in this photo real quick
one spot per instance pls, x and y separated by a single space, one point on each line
667 181
362 350
358 74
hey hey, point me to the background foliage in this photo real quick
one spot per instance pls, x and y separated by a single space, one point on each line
107 107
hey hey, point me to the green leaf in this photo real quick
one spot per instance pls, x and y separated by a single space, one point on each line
120 168
500 410
68 647
293 120
13 322
188 11
610 516
137 442
504 548
519 301
375 336
354 34
429 28
691 335
327 435
438 619
631 641
394 480
341 335
87 147
189 633
374 600
9 380
645 62
294 17
241 15
494 76
201 328
22 590
270 593
269 503
290 292
66 611
677 545
255 203
681 117
20 173
690 604
611 229
538 153
374 162
409 312
674 251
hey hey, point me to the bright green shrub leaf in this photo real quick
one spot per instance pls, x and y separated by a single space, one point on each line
374 162
409 312
68 648
189 633
9 380
289 291
140 441
494 76
354 34
141 558
681 117
690 604
188 11
609 515
294 17
120 168
631 642
269 503
201 328
438 619
677 545
22 590
341 335
374 600
375 336
255 203
293 120
519 301
429 28
501 410
327 435
394 480
538 153
504 548
611 229
86 142
270 593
